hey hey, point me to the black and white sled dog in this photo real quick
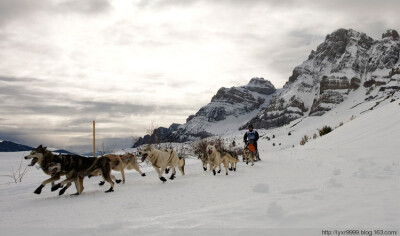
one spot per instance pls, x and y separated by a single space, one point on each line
74 167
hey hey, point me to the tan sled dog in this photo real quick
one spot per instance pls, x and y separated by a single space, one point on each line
249 156
229 158
119 163
163 159
215 159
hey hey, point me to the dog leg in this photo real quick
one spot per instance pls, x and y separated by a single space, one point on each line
80 182
106 173
212 168
62 191
123 175
55 187
51 180
115 179
160 173
172 177
226 165
182 169
62 183
173 173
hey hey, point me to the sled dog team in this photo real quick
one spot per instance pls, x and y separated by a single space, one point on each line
75 167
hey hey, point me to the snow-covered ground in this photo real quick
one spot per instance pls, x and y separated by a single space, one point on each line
347 179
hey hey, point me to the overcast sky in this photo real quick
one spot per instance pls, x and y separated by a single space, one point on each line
65 63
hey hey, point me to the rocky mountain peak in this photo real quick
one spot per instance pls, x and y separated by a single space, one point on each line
261 85
391 34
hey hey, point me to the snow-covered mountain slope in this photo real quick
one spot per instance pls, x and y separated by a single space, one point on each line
344 63
335 181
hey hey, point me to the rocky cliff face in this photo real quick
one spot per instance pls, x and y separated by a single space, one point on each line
228 110
344 62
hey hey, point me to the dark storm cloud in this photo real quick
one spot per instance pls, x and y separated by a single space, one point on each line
16 79
11 10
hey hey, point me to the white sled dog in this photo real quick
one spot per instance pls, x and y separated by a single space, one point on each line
216 158
160 160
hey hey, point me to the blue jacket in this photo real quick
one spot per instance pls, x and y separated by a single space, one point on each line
251 136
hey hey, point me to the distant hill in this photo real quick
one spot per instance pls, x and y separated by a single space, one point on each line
62 151
7 146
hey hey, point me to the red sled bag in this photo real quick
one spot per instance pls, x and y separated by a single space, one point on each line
251 147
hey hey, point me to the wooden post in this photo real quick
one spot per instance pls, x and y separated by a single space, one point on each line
94 138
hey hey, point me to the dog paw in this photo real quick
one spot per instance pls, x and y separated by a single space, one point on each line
252 164
226 173
205 169
55 187
219 171
118 181
75 194
143 174
39 189
230 169
247 163
166 171
234 169
172 177
62 191
214 172
102 183
163 179
110 190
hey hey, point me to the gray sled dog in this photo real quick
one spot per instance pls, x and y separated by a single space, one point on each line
249 156
230 158
216 158
77 167
119 163
160 160
45 158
